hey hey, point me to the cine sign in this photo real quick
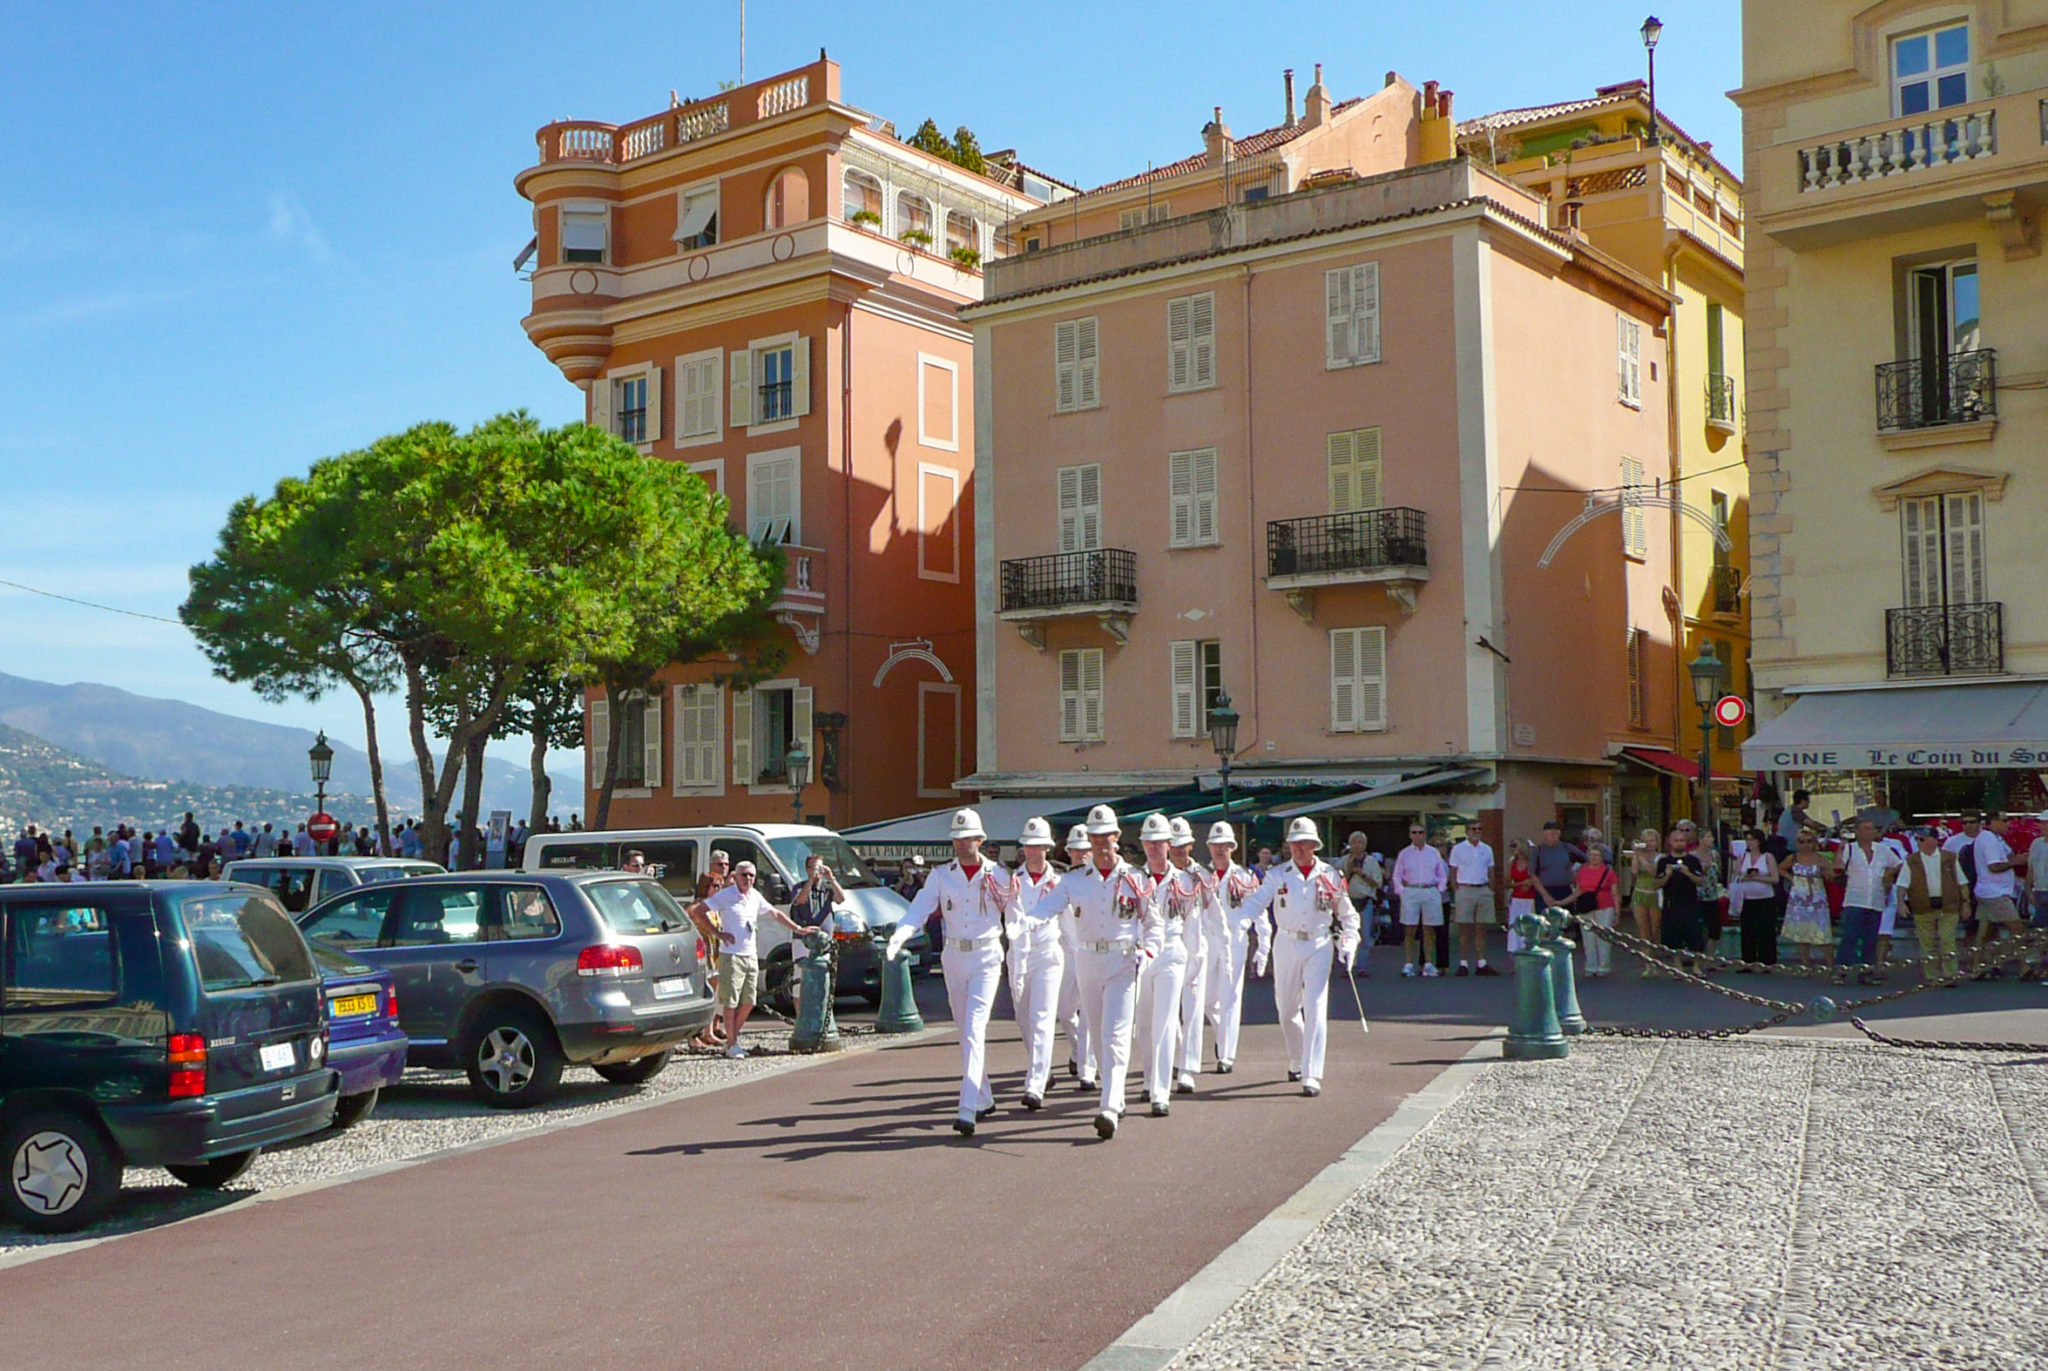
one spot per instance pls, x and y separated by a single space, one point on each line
1901 757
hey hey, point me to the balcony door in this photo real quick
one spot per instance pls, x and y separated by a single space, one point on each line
1944 329
1943 541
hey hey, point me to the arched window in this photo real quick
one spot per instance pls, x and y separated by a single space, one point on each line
863 198
961 232
788 200
913 216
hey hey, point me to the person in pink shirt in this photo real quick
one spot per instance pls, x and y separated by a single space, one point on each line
1419 882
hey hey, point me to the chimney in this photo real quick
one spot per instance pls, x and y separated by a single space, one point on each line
1318 102
1429 97
1287 79
1216 136
1443 103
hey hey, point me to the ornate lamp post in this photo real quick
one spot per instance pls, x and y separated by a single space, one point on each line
1223 737
799 761
322 758
1653 29
1707 673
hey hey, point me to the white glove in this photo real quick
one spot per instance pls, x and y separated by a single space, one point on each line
899 940
1347 948
1259 962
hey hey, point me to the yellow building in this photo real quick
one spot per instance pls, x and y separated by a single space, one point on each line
1669 210
1897 356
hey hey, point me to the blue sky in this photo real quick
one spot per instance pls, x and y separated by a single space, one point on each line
240 236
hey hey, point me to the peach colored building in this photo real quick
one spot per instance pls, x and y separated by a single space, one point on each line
1311 447
763 284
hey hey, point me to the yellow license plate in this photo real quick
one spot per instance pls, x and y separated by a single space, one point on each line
346 1006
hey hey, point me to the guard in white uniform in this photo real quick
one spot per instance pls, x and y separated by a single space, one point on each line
1172 892
1080 1049
1116 931
971 894
1226 947
1194 986
1037 961
1303 906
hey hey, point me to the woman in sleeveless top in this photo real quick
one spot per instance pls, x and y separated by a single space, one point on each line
1642 900
1753 897
1807 924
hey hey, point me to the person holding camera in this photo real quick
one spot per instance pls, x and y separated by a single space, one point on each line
811 908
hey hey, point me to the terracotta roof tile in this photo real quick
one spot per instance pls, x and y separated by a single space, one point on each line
1251 145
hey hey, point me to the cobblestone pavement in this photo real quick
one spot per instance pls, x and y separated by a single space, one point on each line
1760 1203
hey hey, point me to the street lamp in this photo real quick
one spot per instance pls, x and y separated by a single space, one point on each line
1223 737
1653 29
322 758
1707 673
799 762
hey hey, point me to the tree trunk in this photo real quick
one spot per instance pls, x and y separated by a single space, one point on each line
472 798
543 785
370 746
433 809
614 696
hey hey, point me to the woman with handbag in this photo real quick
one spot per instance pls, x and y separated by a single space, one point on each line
1753 899
1594 903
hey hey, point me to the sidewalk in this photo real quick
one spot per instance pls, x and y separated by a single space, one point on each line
1684 1204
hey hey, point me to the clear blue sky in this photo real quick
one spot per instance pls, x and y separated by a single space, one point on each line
239 236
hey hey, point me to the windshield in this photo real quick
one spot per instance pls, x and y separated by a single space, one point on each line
370 875
240 941
852 872
635 906
335 963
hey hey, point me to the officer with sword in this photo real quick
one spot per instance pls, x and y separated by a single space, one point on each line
1301 909
1038 962
1225 952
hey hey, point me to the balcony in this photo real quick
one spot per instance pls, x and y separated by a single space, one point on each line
1931 392
1727 590
585 140
1101 583
801 605
1721 401
1945 640
1386 547
774 401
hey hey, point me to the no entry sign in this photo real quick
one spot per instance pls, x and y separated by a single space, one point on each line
1730 710
322 828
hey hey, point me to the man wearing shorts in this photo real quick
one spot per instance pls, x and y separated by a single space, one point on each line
1473 909
1420 879
739 909
1998 913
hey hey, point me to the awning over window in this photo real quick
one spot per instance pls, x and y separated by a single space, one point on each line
1670 763
927 834
697 212
1930 728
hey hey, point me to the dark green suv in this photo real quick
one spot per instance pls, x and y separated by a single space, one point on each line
149 1023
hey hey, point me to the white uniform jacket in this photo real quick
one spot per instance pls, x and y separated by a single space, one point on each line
1033 918
970 911
1116 908
1226 898
1300 904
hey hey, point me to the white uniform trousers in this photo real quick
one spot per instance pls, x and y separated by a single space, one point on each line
1301 987
972 976
1080 1046
1228 951
1109 1000
1158 1031
1038 965
1194 991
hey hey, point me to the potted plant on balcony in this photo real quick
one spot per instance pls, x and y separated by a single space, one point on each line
1284 559
916 237
965 256
866 218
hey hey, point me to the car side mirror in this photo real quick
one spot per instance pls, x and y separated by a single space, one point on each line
778 890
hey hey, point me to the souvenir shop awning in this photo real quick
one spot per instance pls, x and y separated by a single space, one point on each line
1669 763
1936 728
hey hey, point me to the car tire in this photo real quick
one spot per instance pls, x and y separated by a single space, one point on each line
351 1110
512 1059
776 974
873 997
61 1174
212 1175
639 1071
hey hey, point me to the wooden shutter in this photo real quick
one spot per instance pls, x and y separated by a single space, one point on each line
1343 680
742 389
1353 461
1065 384
743 736
1365 312
1964 534
1091 694
1090 521
600 740
1177 344
1920 549
650 738
1337 310
1070 697
1635 528
653 434
800 725
1635 677
1070 508
1358 680
1183 657
1205 496
1202 340
1628 343
601 403
697 736
697 407
1085 393
1372 678
800 377
1180 497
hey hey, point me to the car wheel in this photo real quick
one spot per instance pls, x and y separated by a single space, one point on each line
639 1071
351 1110
776 991
872 996
61 1174
216 1173
512 1059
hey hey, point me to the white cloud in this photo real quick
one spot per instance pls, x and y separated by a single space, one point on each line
291 226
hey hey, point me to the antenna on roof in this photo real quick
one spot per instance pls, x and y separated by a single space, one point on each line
743 42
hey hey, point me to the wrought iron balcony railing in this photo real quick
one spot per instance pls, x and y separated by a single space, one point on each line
1727 590
1952 388
1721 399
1081 581
774 401
1945 640
1368 540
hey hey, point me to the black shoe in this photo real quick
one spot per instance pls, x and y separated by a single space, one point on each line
1032 1104
1105 1126
1073 1070
1484 971
964 1127
1463 970
1294 1075
1225 1068
987 1113
1161 1110
1085 1086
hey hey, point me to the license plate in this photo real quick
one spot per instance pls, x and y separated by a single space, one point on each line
668 987
347 1006
277 1057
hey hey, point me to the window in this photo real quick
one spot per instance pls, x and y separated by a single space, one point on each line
1943 317
243 941
1080 493
1358 680
700 738
788 200
775 496
673 863
1628 346
770 382
526 913
292 886
1635 678
765 721
962 233
1191 496
435 916
713 473
59 959
1158 212
1718 502
777 402
1931 70
639 741
629 408
1081 695
913 216
1635 525
862 198
1074 357
938 402
1253 193
356 921
1191 342
1353 462
583 234
1351 315
628 403
1943 549
1717 346
700 396
697 219
1196 671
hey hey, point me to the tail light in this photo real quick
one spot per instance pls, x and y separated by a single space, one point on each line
609 959
188 1065
393 998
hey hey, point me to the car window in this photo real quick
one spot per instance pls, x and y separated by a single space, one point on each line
590 856
635 906
437 915
357 921
59 957
526 912
852 872
239 941
671 861
373 875
293 888
334 962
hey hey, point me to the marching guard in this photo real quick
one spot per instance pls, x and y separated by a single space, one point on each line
1037 961
1080 1048
1300 908
1167 886
1194 986
972 896
1225 950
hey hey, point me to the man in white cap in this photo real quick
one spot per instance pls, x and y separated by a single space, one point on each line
1156 1039
1297 908
971 894
1116 931
1226 942
1037 961
1080 1049
1194 986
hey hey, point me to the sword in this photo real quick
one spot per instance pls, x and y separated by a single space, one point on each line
1356 998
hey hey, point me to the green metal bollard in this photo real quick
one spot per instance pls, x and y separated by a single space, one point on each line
1533 1032
1564 987
817 1030
899 1005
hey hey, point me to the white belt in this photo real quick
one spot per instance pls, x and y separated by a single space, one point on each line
970 944
1305 935
1106 945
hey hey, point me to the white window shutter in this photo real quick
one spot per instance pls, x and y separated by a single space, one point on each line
1202 340
651 738
1090 522
1070 509
800 377
1091 694
1365 312
1372 678
1635 529
1365 469
1066 383
1967 583
1341 454
1338 335
1085 393
742 389
743 736
683 771
1920 529
1205 496
1180 497
1070 697
1343 680
689 402
600 740
1182 672
800 727
601 403
1178 353
1635 676
653 405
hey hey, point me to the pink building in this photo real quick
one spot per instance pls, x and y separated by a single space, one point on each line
1310 446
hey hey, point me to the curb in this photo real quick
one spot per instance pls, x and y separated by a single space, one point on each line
1163 1334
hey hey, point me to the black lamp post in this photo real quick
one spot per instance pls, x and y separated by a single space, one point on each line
1223 736
1707 673
1653 29
799 763
322 758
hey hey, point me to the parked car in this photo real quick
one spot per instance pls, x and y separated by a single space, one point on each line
302 882
510 976
149 1023
364 1041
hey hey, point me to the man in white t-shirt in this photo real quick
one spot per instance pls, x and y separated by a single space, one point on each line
1996 889
1473 909
740 907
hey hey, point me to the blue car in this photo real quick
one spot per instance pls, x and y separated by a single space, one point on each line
365 1043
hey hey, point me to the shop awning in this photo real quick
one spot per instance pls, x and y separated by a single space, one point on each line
1350 796
927 834
1669 763
1930 728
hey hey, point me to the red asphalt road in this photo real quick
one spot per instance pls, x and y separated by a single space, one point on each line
825 1217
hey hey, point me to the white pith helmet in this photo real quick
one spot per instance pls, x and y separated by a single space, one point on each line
1037 833
1077 838
967 824
1183 832
1102 819
1221 832
1303 830
1155 829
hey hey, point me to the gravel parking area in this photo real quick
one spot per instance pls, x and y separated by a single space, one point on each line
427 1113
1742 1204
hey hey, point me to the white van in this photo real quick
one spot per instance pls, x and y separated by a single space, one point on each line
679 857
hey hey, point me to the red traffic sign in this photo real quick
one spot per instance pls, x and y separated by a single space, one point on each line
1730 710
323 828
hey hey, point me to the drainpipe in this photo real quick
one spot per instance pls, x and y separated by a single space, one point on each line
1251 505
846 577
1679 695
